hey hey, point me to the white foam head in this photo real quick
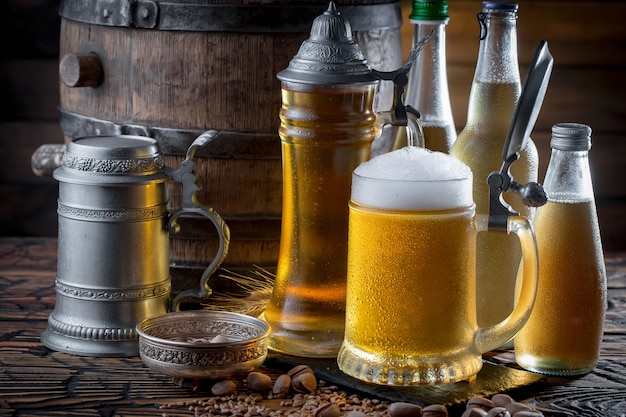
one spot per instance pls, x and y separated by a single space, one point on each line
413 178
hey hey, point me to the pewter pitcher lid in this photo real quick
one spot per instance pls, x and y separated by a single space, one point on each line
330 56
111 158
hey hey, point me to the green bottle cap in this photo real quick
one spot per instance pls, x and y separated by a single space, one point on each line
430 10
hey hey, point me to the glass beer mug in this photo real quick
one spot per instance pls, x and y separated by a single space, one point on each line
411 301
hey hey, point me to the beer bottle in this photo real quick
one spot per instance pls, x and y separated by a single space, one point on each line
427 90
494 95
563 333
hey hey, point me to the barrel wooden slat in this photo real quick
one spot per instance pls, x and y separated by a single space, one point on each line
186 80
197 80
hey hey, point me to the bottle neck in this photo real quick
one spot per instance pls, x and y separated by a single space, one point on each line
427 90
568 177
497 55
496 87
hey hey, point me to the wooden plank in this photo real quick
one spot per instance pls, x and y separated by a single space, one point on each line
36 381
587 95
612 225
607 160
578 32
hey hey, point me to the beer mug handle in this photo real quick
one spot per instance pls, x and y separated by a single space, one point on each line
489 338
190 205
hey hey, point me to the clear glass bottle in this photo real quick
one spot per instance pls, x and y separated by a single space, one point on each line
564 331
494 95
427 90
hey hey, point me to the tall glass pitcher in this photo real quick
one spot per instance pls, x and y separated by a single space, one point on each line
327 128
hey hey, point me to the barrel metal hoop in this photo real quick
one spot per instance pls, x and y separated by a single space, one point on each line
246 18
231 145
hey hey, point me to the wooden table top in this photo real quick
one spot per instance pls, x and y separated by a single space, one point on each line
35 381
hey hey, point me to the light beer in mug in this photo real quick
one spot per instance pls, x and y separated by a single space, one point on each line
411 294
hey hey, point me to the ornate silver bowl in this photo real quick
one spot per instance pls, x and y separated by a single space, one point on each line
202 344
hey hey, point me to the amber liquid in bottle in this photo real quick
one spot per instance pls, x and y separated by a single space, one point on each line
480 146
564 331
561 336
495 92
326 132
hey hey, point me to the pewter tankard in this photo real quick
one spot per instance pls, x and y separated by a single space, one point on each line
113 247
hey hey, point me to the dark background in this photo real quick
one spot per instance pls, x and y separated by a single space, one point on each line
588 85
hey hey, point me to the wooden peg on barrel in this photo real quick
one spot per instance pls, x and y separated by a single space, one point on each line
81 70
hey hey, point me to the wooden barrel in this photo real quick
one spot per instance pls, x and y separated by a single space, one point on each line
171 70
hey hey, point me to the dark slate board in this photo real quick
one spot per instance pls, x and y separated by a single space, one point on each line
492 379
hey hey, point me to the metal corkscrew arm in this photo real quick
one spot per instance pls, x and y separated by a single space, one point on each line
400 112
524 118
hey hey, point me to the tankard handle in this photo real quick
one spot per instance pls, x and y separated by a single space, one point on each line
190 205
489 338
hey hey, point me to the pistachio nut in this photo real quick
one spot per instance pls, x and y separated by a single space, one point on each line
480 402
402 409
328 410
299 369
498 412
515 407
223 388
220 338
304 382
259 382
282 385
435 410
501 400
474 412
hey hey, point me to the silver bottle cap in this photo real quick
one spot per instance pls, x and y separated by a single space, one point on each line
571 137
491 5
330 56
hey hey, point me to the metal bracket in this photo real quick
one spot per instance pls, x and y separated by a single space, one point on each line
240 145
400 80
532 194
